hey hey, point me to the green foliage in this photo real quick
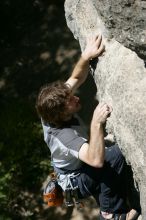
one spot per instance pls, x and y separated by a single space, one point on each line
24 158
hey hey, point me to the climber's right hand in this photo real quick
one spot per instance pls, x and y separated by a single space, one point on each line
94 47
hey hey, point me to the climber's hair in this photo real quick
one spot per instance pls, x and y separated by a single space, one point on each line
51 102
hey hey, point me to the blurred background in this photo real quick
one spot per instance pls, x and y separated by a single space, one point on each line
36 47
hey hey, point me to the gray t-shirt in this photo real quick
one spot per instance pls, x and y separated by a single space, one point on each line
65 143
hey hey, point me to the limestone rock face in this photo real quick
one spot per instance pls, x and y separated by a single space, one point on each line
126 21
120 74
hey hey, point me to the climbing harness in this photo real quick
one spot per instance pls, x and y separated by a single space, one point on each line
72 191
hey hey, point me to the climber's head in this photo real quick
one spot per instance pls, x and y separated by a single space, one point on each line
56 103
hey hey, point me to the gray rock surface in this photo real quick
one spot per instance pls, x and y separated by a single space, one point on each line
126 21
120 74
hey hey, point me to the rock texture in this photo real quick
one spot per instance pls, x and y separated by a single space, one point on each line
120 74
126 21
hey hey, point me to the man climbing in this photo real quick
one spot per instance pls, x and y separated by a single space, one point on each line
83 163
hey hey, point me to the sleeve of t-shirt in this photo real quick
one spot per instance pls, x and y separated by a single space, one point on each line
72 140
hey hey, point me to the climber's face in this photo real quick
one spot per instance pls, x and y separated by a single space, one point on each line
73 104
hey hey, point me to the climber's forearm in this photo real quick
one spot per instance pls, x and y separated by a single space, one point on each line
93 49
94 152
79 73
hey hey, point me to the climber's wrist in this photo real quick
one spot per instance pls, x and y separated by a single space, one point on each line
86 56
